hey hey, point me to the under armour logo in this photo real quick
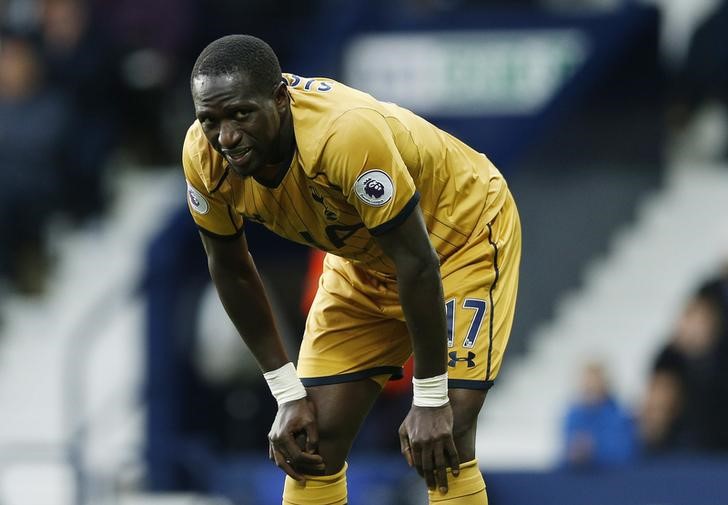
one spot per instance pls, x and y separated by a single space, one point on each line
454 359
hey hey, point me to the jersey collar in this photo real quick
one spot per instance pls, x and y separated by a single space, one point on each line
283 169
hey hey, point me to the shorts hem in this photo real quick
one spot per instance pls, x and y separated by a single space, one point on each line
395 371
469 384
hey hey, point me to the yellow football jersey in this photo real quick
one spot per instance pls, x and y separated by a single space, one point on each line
360 168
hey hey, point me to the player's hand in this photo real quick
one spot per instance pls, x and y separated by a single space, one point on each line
427 443
295 420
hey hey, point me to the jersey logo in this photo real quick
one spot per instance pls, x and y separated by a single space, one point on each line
374 187
317 197
257 218
198 203
454 359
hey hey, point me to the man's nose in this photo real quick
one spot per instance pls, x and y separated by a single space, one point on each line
229 137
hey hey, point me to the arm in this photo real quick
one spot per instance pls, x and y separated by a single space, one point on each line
243 296
420 292
426 435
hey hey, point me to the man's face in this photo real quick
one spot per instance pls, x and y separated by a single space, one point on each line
240 122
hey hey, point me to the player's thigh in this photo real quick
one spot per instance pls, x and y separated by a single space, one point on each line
480 297
351 344
466 405
352 331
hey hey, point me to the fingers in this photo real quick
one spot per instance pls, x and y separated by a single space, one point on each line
404 447
286 465
428 469
453 456
432 461
291 459
417 458
440 469
312 438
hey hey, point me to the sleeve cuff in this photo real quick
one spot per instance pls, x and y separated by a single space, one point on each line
399 218
220 237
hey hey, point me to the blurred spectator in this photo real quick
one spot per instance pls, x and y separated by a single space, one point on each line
152 38
33 120
660 421
716 290
685 406
704 75
597 430
698 112
81 63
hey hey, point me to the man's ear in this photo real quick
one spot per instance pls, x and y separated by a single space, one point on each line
281 96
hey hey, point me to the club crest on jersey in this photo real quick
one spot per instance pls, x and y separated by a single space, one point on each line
198 203
374 187
318 198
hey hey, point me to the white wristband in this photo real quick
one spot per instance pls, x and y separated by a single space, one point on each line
285 384
430 392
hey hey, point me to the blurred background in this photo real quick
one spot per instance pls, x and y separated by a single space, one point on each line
121 379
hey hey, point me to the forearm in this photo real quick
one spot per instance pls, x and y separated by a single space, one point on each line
243 296
421 296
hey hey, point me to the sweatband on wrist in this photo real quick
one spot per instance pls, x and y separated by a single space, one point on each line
285 384
430 392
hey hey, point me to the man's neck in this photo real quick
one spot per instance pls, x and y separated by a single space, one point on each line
272 174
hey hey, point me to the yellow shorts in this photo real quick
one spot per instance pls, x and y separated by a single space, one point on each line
355 328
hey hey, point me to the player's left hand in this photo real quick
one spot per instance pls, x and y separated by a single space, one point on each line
427 443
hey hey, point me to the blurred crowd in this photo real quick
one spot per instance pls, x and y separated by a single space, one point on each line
56 131
684 408
64 109
85 82
686 402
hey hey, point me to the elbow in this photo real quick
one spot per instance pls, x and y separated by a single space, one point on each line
421 266
230 270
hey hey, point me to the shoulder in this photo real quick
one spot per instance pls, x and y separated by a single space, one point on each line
200 160
364 120
195 143
323 108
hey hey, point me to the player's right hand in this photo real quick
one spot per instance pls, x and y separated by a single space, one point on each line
296 419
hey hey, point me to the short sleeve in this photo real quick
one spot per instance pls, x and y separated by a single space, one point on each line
212 214
361 157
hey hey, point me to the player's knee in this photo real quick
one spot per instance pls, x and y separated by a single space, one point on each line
334 449
334 464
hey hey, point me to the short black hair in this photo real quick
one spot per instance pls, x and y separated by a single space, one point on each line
235 54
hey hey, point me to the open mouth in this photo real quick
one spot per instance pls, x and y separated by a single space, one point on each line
237 156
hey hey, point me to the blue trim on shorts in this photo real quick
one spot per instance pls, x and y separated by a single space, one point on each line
395 371
469 384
